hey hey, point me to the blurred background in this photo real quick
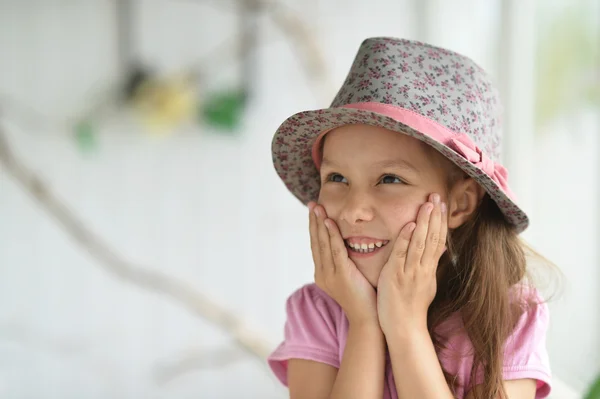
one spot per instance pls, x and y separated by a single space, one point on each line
147 246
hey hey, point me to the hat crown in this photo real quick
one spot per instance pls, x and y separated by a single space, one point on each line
437 83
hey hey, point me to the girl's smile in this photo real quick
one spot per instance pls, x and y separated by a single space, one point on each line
364 247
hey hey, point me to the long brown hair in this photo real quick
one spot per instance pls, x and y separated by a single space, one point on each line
484 262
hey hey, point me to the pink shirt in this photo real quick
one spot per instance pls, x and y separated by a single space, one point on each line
317 328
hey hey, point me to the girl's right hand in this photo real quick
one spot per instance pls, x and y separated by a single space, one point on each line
336 273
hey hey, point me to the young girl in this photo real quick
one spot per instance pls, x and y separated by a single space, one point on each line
420 277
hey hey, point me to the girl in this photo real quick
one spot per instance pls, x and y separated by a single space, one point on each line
420 277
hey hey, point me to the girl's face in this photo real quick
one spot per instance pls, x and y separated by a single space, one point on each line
373 182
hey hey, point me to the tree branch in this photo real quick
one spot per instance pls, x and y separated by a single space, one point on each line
107 258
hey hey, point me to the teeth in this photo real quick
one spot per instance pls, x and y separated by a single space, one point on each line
363 248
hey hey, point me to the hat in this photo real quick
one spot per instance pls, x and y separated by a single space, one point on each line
432 94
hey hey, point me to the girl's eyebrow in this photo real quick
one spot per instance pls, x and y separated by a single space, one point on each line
330 163
396 163
387 163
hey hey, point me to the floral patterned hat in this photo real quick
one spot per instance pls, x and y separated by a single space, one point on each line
432 94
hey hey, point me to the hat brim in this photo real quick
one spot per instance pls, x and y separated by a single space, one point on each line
292 154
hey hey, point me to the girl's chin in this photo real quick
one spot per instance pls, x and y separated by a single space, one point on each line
372 275
370 266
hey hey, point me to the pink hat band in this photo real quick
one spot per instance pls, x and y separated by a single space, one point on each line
460 143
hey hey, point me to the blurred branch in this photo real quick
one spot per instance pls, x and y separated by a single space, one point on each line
247 45
124 15
183 293
303 42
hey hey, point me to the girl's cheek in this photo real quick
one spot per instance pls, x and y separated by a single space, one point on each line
326 201
322 197
331 209
333 203
404 212
329 196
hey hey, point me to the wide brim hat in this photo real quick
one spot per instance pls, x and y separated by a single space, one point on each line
432 94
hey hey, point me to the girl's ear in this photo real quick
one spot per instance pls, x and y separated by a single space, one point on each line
463 201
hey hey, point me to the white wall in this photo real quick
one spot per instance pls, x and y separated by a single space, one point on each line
565 229
68 328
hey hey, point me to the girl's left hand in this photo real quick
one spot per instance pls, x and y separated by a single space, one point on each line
407 283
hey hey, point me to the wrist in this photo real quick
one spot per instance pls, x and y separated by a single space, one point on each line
368 332
409 346
403 324
369 327
407 334
364 320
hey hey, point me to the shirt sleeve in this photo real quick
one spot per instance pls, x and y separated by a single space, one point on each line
526 355
310 332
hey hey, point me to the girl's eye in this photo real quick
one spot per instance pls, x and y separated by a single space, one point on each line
391 179
336 178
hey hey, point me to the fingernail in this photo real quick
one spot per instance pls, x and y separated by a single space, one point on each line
443 206
317 211
311 206
327 224
435 198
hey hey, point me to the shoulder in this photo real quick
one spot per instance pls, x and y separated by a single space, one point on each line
312 330
309 297
309 307
525 352
525 355
529 330
526 346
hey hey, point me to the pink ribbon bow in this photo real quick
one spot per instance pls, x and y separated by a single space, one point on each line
462 144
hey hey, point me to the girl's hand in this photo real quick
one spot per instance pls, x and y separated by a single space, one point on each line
407 283
336 274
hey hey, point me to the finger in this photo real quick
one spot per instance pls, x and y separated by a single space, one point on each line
324 243
432 242
419 237
314 240
400 249
339 253
443 230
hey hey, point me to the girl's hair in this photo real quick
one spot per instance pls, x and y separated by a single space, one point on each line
478 279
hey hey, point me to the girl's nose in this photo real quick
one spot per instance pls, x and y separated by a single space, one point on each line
357 208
